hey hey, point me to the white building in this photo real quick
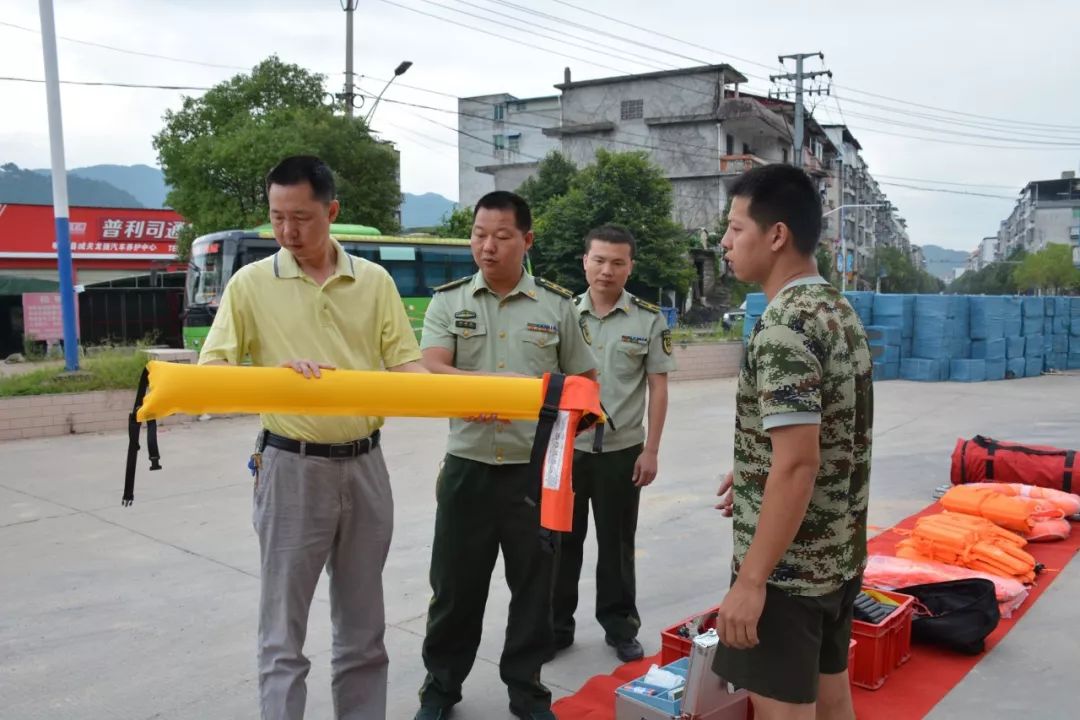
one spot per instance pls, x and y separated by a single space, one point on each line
501 141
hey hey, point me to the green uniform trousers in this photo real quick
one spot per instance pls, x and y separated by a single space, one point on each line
481 509
605 480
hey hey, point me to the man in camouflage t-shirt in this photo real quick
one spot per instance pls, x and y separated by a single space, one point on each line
799 489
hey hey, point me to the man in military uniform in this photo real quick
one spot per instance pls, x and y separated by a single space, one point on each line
501 320
633 344
800 486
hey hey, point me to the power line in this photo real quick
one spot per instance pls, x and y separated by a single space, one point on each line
946 182
596 31
139 53
1051 134
622 55
474 29
537 47
958 112
951 192
138 86
654 31
960 133
874 131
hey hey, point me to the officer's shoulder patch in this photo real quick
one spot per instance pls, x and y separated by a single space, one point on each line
645 305
453 284
555 288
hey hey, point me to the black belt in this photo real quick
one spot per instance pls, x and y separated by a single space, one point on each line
353 448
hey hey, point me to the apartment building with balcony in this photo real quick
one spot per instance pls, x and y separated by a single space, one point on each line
501 141
1046 211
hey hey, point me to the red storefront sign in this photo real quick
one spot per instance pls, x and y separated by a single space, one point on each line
27 231
43 318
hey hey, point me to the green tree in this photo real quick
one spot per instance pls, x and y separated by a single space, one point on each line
457 224
216 149
552 180
1050 270
621 188
899 275
995 279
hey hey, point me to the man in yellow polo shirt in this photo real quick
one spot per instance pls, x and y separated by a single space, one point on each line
322 493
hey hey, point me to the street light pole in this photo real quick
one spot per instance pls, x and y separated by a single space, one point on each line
399 70
59 185
349 6
843 236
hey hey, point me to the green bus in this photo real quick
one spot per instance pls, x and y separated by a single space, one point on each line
417 264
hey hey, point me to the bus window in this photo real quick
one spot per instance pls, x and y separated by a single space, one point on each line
205 277
441 265
360 250
400 262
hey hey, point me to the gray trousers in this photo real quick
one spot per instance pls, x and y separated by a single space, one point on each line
309 513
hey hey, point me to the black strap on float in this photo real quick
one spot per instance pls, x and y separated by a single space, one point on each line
134 428
549 414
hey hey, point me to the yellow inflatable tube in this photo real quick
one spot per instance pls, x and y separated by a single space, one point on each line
227 389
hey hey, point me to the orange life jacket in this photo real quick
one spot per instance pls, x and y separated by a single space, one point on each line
968 541
1012 512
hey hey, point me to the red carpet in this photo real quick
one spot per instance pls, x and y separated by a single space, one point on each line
910 691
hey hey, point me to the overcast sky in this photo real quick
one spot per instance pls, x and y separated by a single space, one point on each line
1012 66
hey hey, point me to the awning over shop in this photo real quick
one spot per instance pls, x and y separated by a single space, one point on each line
16 285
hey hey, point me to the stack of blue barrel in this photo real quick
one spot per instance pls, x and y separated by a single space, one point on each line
1034 339
755 306
1074 334
989 349
962 338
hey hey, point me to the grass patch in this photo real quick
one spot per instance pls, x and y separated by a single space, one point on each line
111 370
684 334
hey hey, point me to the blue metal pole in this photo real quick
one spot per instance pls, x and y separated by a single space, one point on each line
59 185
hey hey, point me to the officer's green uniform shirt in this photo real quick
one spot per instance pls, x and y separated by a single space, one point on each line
630 342
533 330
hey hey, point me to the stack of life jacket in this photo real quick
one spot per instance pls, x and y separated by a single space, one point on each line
1034 517
971 542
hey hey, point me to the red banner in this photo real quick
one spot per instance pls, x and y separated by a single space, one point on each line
28 231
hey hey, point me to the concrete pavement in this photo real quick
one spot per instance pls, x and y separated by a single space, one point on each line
150 611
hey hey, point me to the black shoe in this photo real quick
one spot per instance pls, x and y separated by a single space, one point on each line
432 712
544 714
627 650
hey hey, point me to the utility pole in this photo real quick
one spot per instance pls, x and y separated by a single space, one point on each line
799 76
349 6
59 186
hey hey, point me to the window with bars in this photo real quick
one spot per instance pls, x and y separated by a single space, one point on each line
632 109
514 143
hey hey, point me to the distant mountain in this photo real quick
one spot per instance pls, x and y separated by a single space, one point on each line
425 210
35 188
941 262
145 183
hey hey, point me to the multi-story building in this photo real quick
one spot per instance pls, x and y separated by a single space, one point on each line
700 128
501 141
1046 211
984 254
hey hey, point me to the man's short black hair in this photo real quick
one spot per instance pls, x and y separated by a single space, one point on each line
783 194
504 200
614 234
309 169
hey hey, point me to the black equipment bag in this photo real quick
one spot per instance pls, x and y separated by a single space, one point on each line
957 614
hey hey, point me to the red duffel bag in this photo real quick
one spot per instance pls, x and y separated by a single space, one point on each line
983 459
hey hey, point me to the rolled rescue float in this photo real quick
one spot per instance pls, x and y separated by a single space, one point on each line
1032 517
564 406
